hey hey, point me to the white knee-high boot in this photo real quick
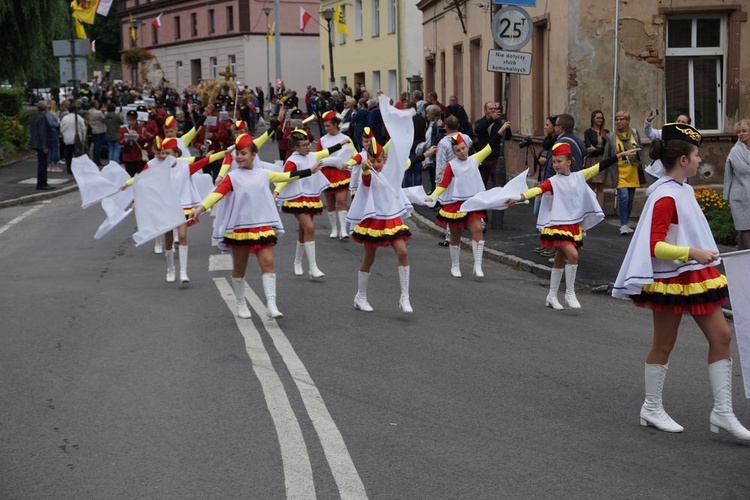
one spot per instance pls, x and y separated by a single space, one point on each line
455 261
652 411
332 221
269 288
183 264
360 300
169 255
722 414
570 286
554 285
310 250
403 278
238 284
159 244
477 248
343 233
298 254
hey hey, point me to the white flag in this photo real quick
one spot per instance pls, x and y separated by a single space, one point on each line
103 7
117 206
737 266
418 196
495 198
92 186
157 204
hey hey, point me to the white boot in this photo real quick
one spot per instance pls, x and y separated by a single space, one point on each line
652 411
360 300
477 248
570 286
403 278
722 415
169 254
298 254
455 259
332 222
183 264
269 288
159 244
310 250
343 233
239 293
554 285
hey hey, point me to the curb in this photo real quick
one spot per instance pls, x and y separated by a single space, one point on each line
33 198
489 254
17 160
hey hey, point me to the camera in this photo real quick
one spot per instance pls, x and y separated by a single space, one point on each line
525 142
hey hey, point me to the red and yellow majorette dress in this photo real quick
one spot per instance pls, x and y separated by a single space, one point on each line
657 272
337 178
568 206
461 181
251 218
378 207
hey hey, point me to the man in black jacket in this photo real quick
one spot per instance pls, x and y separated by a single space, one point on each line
41 142
564 127
484 129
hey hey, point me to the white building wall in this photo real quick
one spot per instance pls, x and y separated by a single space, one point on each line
413 43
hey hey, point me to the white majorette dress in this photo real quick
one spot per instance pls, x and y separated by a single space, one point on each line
680 287
461 181
303 195
338 178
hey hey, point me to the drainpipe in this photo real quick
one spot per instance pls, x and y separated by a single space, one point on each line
617 57
399 73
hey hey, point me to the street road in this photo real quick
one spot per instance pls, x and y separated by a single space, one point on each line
118 385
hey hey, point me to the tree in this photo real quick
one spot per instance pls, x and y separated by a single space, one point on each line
106 32
28 28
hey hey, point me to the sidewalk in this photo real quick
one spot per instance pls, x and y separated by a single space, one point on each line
18 183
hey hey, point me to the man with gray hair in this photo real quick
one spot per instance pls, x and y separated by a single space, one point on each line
445 155
41 142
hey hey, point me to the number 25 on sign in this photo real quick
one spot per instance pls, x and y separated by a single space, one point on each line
511 28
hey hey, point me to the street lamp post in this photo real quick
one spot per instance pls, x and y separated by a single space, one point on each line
134 24
267 11
328 16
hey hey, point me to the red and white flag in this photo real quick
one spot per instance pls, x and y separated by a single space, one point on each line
157 21
304 18
92 45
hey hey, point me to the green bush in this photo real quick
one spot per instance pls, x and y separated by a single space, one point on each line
14 133
722 226
11 101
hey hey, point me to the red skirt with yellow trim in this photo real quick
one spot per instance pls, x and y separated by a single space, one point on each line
556 236
381 233
303 205
253 239
692 292
450 214
339 179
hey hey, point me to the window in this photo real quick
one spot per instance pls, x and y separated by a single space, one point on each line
177 33
375 17
232 61
391 16
230 18
392 83
154 34
194 24
358 19
342 37
211 23
375 83
695 69
213 67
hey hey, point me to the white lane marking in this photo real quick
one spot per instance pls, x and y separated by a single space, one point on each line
19 218
298 477
220 262
341 464
50 180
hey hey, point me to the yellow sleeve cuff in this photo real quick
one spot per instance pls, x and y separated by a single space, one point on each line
590 172
667 251
438 191
532 193
483 154
217 156
259 141
211 200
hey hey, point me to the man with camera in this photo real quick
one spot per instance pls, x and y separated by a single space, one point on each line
484 129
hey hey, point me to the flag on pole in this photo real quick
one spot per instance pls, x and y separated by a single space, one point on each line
736 265
157 21
104 6
340 24
132 29
92 45
304 18
85 10
270 31
80 30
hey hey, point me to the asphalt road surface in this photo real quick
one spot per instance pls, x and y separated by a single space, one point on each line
118 385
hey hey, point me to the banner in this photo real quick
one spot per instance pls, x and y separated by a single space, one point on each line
737 266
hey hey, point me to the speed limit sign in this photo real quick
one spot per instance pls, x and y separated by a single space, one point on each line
511 28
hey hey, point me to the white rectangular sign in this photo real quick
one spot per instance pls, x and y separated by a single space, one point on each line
509 61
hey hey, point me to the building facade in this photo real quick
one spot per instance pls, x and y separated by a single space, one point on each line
683 55
381 51
199 40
